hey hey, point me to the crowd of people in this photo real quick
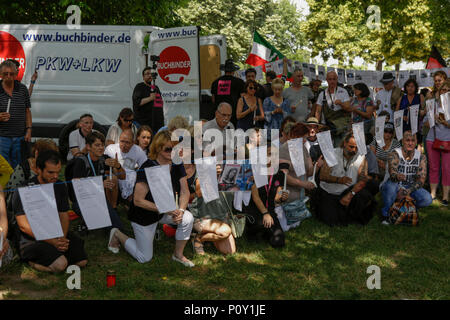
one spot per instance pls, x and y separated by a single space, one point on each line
338 195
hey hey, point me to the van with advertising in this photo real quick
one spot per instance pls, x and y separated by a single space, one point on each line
94 69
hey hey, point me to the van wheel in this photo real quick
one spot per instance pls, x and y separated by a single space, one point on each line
64 136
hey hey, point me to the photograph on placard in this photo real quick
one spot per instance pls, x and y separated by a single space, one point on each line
350 75
227 181
403 76
341 75
312 71
321 75
305 68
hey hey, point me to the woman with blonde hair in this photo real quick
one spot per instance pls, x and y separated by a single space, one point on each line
144 214
276 107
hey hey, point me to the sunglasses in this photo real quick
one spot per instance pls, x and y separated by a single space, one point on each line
169 149
251 88
389 131
128 120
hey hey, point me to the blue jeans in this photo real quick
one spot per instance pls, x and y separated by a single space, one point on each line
10 150
389 192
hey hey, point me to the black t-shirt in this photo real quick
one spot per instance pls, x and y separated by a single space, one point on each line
20 101
267 194
268 90
62 204
228 89
151 113
145 217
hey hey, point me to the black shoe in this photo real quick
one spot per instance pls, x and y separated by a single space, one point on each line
444 203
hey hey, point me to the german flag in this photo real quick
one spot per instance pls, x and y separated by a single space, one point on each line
435 60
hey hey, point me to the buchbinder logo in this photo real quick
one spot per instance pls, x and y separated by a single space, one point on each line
10 48
174 64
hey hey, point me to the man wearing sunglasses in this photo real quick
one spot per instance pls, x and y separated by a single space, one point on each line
299 97
15 114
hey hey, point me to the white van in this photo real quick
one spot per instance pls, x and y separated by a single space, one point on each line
93 70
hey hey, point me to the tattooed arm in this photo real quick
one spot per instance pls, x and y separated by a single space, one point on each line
421 175
363 171
393 162
325 175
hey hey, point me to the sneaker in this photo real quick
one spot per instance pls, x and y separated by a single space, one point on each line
385 222
444 203
186 263
111 235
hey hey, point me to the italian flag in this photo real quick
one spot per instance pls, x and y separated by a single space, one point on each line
262 52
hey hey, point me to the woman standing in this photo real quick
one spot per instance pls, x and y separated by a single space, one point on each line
249 107
124 121
144 214
362 107
438 148
144 137
382 153
276 107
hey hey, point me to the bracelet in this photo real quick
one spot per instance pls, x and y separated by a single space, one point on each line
265 212
182 210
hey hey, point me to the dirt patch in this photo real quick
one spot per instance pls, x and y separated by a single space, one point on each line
26 285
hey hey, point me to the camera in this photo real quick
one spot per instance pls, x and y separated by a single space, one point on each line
154 59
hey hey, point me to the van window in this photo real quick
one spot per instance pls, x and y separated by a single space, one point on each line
209 65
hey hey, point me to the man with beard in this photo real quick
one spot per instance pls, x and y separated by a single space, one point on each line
347 193
52 255
407 175
147 103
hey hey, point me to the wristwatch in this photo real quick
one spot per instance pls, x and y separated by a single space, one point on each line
353 192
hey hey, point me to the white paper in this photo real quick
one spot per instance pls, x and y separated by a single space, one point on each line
414 74
39 204
350 75
398 124
414 117
290 66
269 66
341 75
379 130
259 73
430 112
278 67
313 177
258 160
247 195
445 104
326 146
312 71
207 176
237 201
358 133
296 154
321 75
403 76
425 78
91 199
9 104
305 68
160 183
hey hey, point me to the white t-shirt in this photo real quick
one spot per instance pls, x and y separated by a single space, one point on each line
385 102
130 161
76 140
339 94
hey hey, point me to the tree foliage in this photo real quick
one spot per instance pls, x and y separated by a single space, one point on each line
106 12
407 31
277 21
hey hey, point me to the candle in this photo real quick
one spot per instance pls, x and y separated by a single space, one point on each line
254 115
9 103
110 173
284 187
110 279
176 199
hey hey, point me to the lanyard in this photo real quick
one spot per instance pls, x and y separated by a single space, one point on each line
91 164
331 97
267 190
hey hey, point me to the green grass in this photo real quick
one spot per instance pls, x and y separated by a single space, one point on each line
318 262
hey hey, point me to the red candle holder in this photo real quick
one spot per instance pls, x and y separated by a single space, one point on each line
110 279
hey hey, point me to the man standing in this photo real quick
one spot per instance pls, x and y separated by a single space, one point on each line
407 175
333 105
228 88
299 97
77 138
250 74
270 75
147 102
52 255
15 114
388 96
130 157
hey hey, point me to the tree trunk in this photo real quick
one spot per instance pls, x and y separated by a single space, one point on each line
379 65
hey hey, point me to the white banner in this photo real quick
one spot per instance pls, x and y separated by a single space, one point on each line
350 75
160 184
326 146
414 117
178 70
445 104
207 176
321 75
341 75
398 124
296 154
379 130
358 133
430 111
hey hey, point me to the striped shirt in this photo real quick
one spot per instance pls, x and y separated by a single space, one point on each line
384 154
20 101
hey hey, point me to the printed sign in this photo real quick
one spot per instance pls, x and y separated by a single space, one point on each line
13 51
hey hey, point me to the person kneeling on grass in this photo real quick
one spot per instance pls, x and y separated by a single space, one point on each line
212 221
262 208
52 255
144 214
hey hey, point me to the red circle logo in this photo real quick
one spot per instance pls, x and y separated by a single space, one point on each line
11 48
174 64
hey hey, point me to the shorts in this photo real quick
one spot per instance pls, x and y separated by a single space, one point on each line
45 254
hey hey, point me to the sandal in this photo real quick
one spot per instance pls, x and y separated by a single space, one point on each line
198 246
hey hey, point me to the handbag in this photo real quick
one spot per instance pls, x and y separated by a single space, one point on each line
439 144
404 212
296 211
237 221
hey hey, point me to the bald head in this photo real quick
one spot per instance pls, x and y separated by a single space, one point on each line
126 140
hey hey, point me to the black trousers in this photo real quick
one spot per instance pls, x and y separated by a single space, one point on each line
274 235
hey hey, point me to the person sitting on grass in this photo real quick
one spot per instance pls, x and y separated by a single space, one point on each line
6 253
95 163
407 169
144 214
262 208
52 255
